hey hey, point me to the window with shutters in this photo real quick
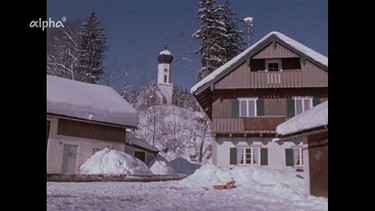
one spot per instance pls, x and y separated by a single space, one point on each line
247 107
248 155
302 104
294 156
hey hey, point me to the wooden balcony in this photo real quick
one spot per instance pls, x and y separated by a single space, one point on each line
246 124
262 79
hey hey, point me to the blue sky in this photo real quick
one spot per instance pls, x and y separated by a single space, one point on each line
136 31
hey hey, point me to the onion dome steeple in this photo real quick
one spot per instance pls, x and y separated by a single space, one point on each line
165 56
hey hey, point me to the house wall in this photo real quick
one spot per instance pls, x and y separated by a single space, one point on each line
274 51
148 155
316 176
276 150
275 112
85 148
308 75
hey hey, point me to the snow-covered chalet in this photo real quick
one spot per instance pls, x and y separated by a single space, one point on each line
270 82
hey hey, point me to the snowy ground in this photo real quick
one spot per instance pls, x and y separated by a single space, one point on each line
256 188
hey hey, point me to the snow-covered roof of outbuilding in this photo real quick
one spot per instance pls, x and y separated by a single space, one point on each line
135 141
313 118
297 47
89 101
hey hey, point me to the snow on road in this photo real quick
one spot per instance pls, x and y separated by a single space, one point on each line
256 188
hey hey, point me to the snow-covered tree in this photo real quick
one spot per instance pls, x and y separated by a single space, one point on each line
129 92
233 41
62 49
219 34
184 99
91 47
176 132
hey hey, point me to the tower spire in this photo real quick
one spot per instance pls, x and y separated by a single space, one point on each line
165 44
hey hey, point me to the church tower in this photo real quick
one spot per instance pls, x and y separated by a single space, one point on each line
165 59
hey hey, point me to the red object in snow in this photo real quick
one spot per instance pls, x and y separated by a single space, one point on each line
229 185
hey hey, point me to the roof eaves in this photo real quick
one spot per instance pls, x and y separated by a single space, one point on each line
301 54
272 38
255 49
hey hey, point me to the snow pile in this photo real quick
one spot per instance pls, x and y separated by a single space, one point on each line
183 166
109 161
258 188
160 165
281 183
312 118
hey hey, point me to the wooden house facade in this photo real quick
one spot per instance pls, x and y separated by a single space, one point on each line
249 96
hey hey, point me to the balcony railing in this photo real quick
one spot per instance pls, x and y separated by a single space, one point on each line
276 79
262 79
246 124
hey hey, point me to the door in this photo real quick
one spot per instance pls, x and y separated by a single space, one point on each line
69 158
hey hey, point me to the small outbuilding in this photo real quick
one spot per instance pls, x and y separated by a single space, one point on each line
140 148
311 127
83 118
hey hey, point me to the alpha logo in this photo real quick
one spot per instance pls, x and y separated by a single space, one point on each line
47 23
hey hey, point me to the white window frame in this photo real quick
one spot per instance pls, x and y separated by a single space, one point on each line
247 106
302 99
299 156
278 61
242 151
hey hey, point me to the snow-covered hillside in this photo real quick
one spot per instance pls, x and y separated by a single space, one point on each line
177 132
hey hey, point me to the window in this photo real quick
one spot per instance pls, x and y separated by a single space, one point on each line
273 65
298 157
248 155
302 104
255 155
95 150
248 107
294 156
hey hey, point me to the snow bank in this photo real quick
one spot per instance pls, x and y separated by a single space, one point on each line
265 180
183 166
160 165
109 161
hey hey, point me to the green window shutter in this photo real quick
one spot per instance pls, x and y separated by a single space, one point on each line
233 156
290 110
235 108
263 156
289 157
260 107
316 101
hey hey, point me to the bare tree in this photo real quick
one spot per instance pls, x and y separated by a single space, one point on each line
62 50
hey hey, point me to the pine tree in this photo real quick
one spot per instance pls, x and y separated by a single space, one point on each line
219 34
91 51
233 41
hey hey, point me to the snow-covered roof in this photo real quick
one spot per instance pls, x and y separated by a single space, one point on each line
132 139
315 117
290 42
165 52
89 101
